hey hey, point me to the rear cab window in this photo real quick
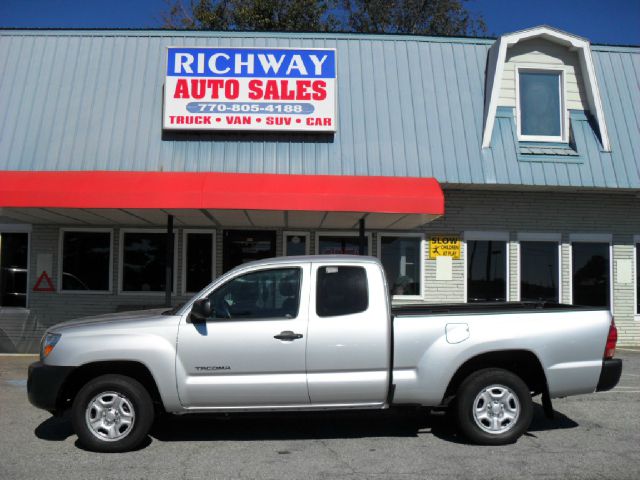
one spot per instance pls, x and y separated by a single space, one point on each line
341 290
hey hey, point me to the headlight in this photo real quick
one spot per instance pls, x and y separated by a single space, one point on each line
48 342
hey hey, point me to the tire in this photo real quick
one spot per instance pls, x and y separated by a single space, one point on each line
493 407
112 413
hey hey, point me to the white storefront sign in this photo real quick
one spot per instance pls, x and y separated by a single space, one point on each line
250 89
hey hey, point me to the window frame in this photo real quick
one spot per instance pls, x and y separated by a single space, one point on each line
485 235
591 238
288 233
341 233
183 276
422 238
121 235
564 112
537 237
316 284
61 233
223 282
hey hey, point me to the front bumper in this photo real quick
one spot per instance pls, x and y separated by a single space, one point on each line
44 385
610 374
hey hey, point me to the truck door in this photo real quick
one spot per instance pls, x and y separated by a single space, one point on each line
251 352
348 349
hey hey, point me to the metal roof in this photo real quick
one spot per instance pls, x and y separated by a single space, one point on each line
407 106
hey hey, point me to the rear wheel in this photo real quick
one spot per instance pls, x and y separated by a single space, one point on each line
112 413
494 407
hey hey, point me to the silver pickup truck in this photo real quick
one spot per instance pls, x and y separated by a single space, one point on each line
319 333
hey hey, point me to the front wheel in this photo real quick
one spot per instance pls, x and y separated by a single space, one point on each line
112 413
494 407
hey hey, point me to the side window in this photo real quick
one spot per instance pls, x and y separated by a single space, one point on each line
259 295
341 291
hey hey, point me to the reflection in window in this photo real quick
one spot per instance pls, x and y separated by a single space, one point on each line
336 244
341 291
242 246
86 258
486 271
539 271
144 261
199 262
264 294
400 257
14 254
540 103
295 245
590 274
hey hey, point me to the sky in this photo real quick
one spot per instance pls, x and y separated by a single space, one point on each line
615 22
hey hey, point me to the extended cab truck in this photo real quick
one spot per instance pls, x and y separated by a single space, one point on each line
319 333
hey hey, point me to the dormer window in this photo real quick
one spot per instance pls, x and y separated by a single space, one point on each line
540 105
542 74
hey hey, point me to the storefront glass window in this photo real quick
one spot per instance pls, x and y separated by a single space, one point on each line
540 104
13 269
199 261
590 274
86 261
486 271
143 261
295 244
340 244
539 271
242 246
400 257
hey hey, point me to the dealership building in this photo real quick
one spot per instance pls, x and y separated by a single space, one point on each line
137 166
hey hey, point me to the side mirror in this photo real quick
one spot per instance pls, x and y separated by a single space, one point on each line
201 311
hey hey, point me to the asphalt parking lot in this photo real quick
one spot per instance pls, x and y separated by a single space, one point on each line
593 436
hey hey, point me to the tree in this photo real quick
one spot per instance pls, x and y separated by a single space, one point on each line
247 15
420 17
423 17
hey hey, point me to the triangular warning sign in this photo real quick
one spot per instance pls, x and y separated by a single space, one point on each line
44 284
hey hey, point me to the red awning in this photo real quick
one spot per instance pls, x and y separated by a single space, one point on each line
187 190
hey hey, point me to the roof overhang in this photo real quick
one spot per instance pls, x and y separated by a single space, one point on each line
495 70
222 199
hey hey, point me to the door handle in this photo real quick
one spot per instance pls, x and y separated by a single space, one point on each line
288 335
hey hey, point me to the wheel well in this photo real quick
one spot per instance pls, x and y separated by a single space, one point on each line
81 375
523 363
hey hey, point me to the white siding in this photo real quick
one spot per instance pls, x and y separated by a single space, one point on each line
539 52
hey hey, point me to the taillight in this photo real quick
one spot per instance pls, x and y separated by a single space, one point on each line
612 339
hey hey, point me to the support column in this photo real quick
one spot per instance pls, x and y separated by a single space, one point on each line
169 262
363 239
